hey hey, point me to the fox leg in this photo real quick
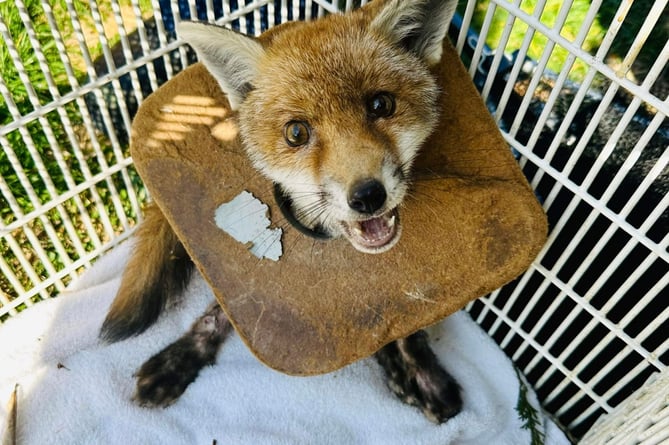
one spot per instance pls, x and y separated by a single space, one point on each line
416 377
413 371
164 377
159 269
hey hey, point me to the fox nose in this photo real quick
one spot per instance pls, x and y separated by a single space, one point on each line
367 196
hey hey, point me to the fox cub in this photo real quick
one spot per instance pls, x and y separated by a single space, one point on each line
333 112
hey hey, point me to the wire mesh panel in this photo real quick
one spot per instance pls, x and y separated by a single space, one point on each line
578 88
66 188
73 74
588 323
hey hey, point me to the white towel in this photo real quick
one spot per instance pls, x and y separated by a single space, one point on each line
75 390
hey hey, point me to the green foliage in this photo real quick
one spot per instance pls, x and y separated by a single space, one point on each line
33 138
570 29
39 155
529 414
574 22
631 27
25 51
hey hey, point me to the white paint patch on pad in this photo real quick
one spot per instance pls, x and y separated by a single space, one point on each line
245 219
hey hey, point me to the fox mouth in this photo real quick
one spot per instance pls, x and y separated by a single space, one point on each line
374 235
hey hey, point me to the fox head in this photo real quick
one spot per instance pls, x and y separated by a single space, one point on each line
334 111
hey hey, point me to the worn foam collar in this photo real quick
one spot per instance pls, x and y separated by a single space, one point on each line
471 225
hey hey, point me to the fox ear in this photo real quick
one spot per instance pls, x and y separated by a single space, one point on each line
232 58
420 26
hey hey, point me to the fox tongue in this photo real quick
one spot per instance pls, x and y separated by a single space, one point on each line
377 231
375 228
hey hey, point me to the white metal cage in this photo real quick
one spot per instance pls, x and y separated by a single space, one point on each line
588 324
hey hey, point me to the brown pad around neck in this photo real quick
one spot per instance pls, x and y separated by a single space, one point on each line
470 225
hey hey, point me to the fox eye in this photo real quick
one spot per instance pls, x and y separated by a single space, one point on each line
381 105
296 133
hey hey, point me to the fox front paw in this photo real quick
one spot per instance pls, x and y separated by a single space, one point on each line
166 375
414 374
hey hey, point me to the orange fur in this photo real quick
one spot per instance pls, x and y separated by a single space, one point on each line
351 174
149 279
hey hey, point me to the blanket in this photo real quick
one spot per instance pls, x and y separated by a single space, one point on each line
71 388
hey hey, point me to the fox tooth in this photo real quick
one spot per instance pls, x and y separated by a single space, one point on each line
391 221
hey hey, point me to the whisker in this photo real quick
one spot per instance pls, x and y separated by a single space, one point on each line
312 214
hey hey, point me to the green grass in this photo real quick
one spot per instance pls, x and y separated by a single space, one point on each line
37 137
631 27
539 41
571 28
36 156
19 95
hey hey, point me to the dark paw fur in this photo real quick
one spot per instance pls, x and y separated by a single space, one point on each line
416 377
164 377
